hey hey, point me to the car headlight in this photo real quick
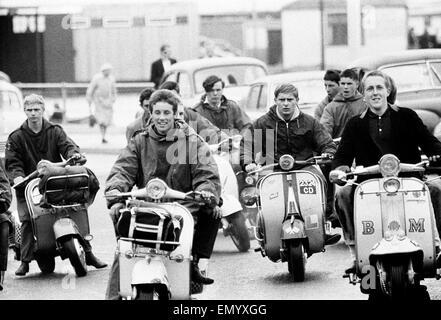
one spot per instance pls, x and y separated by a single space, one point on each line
248 196
389 165
156 189
286 162
391 185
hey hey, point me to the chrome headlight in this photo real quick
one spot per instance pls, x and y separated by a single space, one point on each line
286 162
156 189
391 185
389 165
248 196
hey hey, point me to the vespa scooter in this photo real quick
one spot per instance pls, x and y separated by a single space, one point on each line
291 205
154 247
58 229
233 220
394 230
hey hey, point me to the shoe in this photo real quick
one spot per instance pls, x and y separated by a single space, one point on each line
196 275
91 260
351 269
22 269
104 141
332 238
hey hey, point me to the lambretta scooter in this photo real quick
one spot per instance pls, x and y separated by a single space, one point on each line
155 243
394 230
59 228
291 205
233 220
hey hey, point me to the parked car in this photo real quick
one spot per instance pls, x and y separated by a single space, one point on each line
261 93
237 72
417 74
11 112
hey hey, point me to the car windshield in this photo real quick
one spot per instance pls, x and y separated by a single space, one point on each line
415 76
310 91
235 75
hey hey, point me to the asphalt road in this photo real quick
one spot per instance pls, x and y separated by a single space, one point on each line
238 276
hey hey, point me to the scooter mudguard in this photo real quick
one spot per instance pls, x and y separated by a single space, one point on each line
376 212
395 246
296 230
63 227
274 190
150 270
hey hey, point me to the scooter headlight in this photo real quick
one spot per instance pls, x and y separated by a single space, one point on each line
286 162
156 189
249 180
389 165
248 196
391 185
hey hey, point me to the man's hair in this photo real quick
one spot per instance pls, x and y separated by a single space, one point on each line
349 73
209 83
164 95
170 85
163 47
286 88
332 75
145 94
33 99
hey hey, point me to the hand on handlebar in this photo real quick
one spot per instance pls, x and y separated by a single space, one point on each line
251 167
18 179
434 158
208 197
326 155
338 177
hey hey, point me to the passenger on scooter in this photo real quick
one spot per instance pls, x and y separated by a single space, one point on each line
142 116
36 139
148 156
5 222
383 128
287 130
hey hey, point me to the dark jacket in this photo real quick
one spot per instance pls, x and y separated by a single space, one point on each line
5 196
192 168
228 116
157 70
24 149
198 123
408 133
299 137
318 111
338 112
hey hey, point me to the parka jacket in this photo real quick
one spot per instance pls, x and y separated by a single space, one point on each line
25 148
228 116
190 163
300 137
338 112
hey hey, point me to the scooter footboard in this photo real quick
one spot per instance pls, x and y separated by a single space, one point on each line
377 212
307 189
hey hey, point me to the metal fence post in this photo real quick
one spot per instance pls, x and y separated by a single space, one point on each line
64 95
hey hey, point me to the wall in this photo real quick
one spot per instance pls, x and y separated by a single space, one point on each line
131 50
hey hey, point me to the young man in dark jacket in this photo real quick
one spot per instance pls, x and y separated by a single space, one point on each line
146 157
381 129
332 86
286 130
36 139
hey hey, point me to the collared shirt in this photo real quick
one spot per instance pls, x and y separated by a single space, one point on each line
380 130
166 64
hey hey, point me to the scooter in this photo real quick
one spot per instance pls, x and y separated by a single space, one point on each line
233 220
394 230
291 205
154 247
58 229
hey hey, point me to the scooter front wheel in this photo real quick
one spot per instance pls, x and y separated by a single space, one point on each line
239 231
296 260
77 257
148 292
46 264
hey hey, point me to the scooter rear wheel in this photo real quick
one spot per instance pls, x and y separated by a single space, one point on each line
296 261
77 256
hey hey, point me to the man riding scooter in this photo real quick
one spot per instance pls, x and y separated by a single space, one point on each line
287 130
157 150
37 139
5 223
382 129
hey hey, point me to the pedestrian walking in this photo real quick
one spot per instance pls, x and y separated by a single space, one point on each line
102 93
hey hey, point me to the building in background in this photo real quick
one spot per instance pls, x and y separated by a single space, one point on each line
425 22
71 44
383 28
